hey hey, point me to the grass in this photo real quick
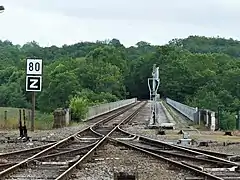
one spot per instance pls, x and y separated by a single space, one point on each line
11 120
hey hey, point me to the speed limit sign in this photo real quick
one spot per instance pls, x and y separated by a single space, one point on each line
34 66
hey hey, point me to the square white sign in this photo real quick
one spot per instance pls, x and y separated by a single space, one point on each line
34 66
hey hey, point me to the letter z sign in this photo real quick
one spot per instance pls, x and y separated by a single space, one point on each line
33 83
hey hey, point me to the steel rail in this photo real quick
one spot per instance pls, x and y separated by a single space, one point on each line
26 150
167 160
214 153
190 167
69 171
54 155
27 160
108 114
158 142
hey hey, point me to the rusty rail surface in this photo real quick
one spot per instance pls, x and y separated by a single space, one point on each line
196 155
13 168
69 171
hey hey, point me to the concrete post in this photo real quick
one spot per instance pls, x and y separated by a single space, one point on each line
59 118
238 121
199 117
213 121
207 119
67 116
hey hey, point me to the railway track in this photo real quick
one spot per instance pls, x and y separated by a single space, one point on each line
203 163
11 158
60 161
57 160
151 147
209 152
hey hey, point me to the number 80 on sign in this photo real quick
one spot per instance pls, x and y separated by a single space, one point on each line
34 66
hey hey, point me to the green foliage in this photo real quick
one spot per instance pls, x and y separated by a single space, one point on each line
79 104
97 98
227 120
79 107
198 71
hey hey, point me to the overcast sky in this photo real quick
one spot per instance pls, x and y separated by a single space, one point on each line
58 22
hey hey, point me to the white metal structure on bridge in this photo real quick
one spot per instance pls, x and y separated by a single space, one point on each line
153 84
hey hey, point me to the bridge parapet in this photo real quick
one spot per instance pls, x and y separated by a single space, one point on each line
190 112
195 114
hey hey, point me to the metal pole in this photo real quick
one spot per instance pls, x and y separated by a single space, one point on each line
219 116
153 99
153 87
33 110
150 95
20 124
24 124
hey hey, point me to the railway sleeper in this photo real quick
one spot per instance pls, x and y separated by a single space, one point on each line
126 139
210 169
169 154
87 139
231 169
68 163
103 159
194 178
225 175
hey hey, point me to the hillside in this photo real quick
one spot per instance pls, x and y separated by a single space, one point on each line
201 44
199 71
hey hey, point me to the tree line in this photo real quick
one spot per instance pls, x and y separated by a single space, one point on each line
198 71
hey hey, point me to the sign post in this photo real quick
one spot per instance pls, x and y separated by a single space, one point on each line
33 82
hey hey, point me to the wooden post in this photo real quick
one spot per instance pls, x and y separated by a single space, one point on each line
5 118
20 124
24 125
28 118
33 110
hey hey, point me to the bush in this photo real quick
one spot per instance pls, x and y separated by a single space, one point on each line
97 98
79 108
227 121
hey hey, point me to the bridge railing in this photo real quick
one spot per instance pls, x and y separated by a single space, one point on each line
97 110
190 112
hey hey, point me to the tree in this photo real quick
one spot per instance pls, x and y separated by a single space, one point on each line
198 71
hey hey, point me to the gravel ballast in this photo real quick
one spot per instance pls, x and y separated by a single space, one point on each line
38 137
216 139
114 159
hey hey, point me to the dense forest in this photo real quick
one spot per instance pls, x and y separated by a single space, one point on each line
198 71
